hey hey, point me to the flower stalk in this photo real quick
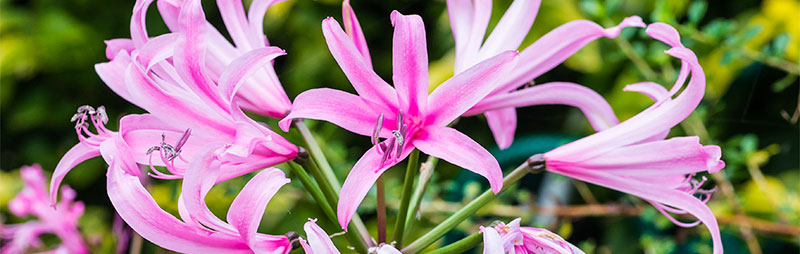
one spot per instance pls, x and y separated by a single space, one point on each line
381 189
460 246
426 171
408 186
533 164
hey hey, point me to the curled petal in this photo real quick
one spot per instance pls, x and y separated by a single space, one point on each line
593 106
232 12
157 50
665 33
231 79
652 90
200 177
113 75
115 46
255 15
248 207
556 46
77 154
455 147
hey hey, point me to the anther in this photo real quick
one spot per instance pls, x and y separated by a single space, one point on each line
536 163
294 239
377 131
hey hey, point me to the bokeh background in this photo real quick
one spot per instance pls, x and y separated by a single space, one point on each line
749 50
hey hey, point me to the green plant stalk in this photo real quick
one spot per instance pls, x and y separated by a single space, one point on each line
468 210
316 154
316 193
419 191
460 246
408 187
327 179
381 210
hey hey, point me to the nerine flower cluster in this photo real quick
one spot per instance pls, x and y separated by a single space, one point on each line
195 86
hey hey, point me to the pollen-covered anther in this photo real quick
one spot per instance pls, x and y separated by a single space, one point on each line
392 147
86 114
168 153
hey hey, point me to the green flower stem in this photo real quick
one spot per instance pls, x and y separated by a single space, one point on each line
408 186
324 175
316 193
460 246
316 154
426 170
536 162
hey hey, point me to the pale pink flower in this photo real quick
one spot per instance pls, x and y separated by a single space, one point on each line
406 115
320 243
469 20
60 220
187 110
511 238
199 230
635 157
218 60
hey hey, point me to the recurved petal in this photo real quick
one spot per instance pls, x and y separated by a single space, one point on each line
655 193
232 12
593 106
492 244
115 46
360 179
343 109
255 17
455 147
203 171
318 240
138 24
503 123
410 63
231 79
460 16
366 82
558 45
138 209
654 91
461 92
113 75
77 154
248 207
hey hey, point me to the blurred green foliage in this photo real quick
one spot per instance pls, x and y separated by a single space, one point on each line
750 51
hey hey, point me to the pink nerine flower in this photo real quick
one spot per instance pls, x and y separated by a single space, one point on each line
469 20
61 220
320 243
511 238
634 157
187 111
250 57
406 115
198 230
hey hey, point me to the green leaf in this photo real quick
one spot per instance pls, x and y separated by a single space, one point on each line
696 11
779 44
592 8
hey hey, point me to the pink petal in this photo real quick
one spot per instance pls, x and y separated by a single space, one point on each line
255 16
459 93
248 207
654 91
645 124
368 84
156 50
115 46
460 16
169 10
455 147
652 192
318 240
596 109
201 175
113 75
664 33
235 21
386 249
138 24
492 244
410 63
353 29
117 151
138 209
558 45
190 52
360 179
503 123
511 29
231 79
675 156
343 109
